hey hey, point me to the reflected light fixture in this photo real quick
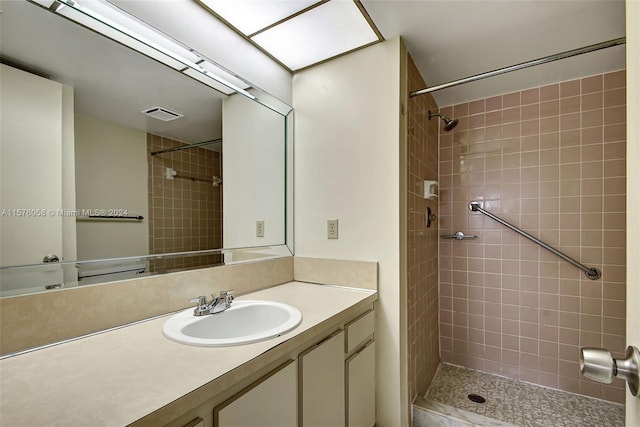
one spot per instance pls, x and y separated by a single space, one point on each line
112 22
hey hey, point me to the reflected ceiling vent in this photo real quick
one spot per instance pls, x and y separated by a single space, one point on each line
162 113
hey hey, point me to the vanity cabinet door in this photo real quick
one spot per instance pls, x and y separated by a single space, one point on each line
361 387
322 390
270 402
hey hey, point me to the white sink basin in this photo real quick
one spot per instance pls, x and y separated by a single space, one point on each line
245 322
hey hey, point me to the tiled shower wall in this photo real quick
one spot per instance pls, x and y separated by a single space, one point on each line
185 213
549 160
422 268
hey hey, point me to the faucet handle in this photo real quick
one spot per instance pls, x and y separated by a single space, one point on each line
227 296
202 305
201 300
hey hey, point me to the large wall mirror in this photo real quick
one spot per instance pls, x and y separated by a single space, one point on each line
117 164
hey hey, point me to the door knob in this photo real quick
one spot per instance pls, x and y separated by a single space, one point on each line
598 365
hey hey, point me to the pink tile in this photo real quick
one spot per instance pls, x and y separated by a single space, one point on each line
476 107
476 121
592 118
511 115
530 96
592 101
569 121
570 88
549 92
549 108
529 112
511 130
555 167
530 127
531 345
549 124
511 100
592 84
615 97
617 132
570 105
570 137
616 79
461 110
615 115
494 103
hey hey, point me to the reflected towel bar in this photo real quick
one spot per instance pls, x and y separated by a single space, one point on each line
591 273
115 217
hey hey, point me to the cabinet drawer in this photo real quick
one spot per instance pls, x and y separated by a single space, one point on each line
358 331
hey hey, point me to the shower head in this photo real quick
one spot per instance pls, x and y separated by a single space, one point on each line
448 123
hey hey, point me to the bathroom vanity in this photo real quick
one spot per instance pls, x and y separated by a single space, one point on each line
136 376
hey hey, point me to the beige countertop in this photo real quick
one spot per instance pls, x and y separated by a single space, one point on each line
118 377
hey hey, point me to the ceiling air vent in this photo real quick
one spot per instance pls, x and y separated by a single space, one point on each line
162 113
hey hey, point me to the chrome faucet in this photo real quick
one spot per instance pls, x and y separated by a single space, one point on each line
217 304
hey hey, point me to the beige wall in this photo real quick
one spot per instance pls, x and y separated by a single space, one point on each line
422 242
253 142
111 173
347 164
633 193
550 160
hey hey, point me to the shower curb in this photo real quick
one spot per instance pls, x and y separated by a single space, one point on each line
429 413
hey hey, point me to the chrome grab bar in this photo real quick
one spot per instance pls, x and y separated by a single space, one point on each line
459 235
591 273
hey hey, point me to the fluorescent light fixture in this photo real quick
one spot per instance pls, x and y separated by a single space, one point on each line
323 32
203 78
215 81
108 20
224 75
44 3
250 16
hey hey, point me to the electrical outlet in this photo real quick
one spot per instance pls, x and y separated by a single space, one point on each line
260 228
332 228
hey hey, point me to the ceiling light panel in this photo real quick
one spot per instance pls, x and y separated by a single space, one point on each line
323 32
250 16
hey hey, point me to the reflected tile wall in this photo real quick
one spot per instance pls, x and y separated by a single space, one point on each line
185 212
422 263
550 160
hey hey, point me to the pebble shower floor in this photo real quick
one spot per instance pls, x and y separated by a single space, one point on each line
518 403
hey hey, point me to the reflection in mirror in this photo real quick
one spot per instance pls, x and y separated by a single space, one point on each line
110 155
